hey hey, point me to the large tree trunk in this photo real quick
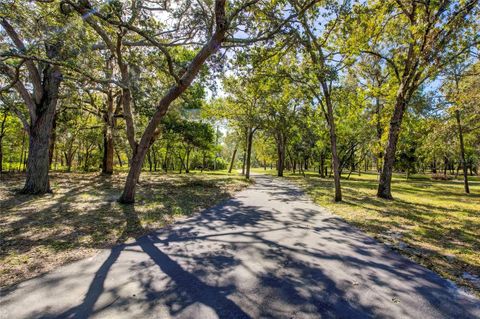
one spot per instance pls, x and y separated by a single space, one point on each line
462 152
233 160
333 143
108 151
335 160
37 181
41 102
384 185
249 152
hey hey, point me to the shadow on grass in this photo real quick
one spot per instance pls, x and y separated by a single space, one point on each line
83 214
235 238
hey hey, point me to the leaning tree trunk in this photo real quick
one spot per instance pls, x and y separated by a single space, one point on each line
128 195
37 181
233 160
244 160
462 152
384 185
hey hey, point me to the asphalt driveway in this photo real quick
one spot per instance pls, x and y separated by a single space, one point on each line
267 253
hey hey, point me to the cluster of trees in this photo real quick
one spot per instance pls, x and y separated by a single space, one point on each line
336 85
387 78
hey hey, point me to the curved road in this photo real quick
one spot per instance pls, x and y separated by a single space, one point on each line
267 253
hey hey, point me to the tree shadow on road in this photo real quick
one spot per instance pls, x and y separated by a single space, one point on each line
290 274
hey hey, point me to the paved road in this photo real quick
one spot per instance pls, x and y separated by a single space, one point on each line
267 253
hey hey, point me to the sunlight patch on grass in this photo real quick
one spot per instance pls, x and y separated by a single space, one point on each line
433 222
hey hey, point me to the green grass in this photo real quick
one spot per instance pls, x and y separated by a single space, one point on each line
433 222
39 233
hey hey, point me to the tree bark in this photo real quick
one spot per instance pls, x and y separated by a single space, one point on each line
384 185
244 160
37 181
333 144
445 166
119 158
233 160
187 161
108 150
462 153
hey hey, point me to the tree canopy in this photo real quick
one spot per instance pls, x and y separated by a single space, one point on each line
335 86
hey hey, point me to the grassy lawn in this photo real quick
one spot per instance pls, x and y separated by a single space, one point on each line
430 221
82 216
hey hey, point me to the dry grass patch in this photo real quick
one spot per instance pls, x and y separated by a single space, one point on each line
39 233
